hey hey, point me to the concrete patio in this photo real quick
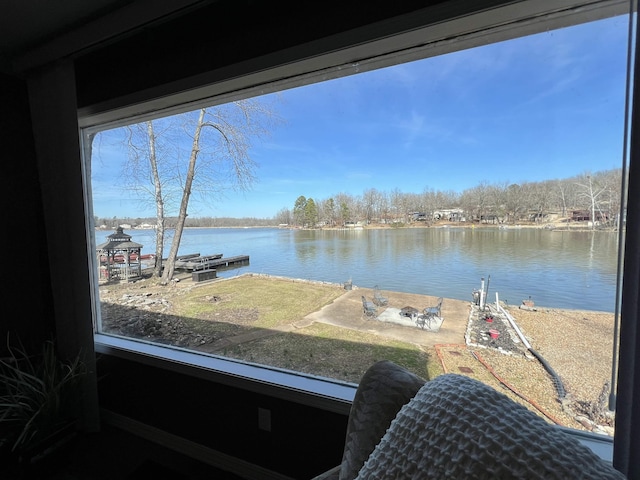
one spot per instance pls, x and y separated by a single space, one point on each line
347 312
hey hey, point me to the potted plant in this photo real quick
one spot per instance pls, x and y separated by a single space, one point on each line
39 396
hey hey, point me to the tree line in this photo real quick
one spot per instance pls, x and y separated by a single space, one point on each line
586 196
206 151
191 222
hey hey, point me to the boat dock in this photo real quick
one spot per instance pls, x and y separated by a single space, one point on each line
195 262
228 262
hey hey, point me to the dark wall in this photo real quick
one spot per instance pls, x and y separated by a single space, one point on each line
26 289
222 33
302 443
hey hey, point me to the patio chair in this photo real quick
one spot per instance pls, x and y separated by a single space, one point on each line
369 308
434 310
378 299
426 320
429 314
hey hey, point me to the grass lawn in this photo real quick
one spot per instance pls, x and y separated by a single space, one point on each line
250 303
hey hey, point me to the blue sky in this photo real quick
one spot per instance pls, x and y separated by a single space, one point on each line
541 107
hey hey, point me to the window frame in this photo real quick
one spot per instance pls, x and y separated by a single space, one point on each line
394 41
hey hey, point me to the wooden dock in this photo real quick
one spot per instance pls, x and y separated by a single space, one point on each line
212 262
229 262
191 262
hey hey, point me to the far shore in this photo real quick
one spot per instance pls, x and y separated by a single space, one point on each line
559 225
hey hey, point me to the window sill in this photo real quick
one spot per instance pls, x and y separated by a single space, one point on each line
601 445
292 386
287 385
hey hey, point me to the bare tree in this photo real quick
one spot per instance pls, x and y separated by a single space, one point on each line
169 267
399 205
540 199
142 175
369 202
345 205
591 191
159 201
515 201
385 207
429 202
329 211
561 194
220 160
284 216
413 204
477 200
613 196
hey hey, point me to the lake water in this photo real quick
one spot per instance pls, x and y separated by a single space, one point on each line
559 269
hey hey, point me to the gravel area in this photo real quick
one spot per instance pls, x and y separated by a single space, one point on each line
576 346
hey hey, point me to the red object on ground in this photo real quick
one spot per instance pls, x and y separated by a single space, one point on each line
494 333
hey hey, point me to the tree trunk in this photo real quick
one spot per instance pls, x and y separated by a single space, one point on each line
157 267
170 265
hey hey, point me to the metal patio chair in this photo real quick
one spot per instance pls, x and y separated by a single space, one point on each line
369 308
426 320
429 315
378 298
434 311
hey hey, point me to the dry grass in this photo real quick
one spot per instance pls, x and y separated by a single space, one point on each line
256 318
317 349
576 344
278 301
330 352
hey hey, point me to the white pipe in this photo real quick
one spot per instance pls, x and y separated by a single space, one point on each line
515 327
482 294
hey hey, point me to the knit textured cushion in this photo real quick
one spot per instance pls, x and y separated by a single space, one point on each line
458 428
382 391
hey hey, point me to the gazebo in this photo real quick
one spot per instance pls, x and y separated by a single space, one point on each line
119 257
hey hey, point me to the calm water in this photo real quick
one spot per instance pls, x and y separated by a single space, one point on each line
557 269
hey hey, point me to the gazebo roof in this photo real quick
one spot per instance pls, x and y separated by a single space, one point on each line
118 241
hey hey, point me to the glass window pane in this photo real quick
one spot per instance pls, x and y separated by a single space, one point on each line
454 214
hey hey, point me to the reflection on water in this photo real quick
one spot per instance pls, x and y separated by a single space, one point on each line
556 268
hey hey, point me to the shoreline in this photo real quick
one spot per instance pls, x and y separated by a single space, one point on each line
551 226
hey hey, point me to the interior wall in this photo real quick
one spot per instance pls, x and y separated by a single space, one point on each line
26 290
302 443
56 142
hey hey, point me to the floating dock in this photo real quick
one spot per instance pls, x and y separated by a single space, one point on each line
229 262
211 262
196 262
